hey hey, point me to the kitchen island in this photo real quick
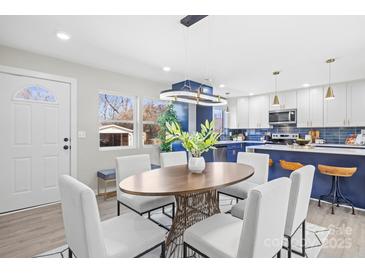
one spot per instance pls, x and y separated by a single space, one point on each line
226 151
352 187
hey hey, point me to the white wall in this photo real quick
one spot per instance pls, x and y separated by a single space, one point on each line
90 81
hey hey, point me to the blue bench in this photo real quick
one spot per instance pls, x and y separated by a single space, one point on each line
105 177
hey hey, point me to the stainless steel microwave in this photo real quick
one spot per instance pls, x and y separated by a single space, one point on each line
283 117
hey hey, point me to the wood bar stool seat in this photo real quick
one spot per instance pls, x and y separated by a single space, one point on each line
290 165
271 162
335 193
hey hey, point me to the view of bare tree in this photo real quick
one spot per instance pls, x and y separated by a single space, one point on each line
112 107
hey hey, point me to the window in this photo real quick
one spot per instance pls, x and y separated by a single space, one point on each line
35 94
116 120
152 109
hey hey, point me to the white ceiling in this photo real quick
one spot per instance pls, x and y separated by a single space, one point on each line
238 51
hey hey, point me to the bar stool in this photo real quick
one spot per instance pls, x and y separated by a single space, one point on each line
290 165
335 192
271 162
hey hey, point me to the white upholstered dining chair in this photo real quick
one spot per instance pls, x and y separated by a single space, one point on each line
260 234
300 192
260 162
129 235
132 165
174 158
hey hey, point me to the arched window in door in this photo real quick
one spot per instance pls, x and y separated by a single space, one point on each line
35 94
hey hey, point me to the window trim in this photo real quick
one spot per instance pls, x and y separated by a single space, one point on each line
135 100
147 122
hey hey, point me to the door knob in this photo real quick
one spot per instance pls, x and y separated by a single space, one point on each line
65 147
65 139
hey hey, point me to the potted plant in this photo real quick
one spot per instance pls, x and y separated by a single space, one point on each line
196 143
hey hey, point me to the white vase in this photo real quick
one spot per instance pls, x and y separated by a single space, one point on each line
196 164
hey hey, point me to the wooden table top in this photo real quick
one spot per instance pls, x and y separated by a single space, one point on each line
178 179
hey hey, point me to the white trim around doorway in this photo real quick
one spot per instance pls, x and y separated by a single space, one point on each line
73 104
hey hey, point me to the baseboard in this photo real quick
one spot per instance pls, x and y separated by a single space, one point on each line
347 206
29 208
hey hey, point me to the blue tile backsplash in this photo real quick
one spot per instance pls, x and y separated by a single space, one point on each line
334 135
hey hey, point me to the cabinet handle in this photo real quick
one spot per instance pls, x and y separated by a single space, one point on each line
344 122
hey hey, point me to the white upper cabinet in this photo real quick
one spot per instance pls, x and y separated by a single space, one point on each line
287 100
238 112
310 107
335 110
242 112
258 111
232 115
315 107
346 110
355 104
303 109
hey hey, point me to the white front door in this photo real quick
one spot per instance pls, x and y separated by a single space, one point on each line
35 140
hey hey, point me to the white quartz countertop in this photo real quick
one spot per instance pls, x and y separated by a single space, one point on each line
340 145
239 142
311 149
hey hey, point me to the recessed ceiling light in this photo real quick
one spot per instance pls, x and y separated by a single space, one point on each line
63 36
251 93
305 85
166 68
221 85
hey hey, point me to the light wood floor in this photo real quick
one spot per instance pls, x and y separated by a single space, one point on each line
31 232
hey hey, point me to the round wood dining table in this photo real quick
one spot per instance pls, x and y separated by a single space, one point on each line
196 194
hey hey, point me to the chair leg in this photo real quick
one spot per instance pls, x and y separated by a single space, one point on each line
69 253
289 247
303 238
163 250
278 255
118 208
334 198
185 250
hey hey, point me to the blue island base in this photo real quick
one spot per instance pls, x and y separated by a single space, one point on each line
352 187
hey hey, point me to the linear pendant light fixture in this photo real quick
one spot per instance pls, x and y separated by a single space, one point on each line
186 94
197 97
329 94
276 102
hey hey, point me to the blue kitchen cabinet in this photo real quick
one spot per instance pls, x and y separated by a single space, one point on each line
208 156
232 151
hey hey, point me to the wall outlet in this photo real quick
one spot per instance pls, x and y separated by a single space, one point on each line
81 134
